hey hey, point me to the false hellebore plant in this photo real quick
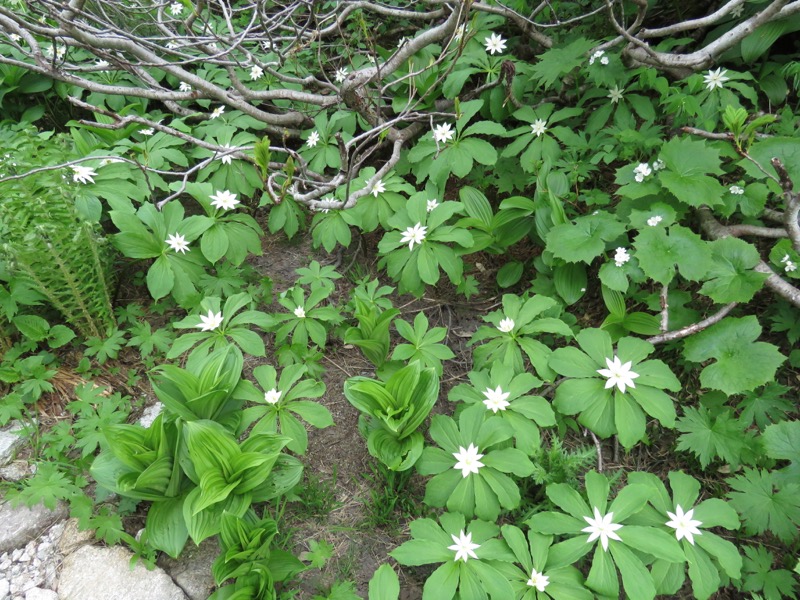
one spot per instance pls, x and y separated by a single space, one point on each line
620 544
393 411
612 391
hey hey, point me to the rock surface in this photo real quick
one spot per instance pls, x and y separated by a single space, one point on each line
192 572
22 524
40 594
10 442
95 573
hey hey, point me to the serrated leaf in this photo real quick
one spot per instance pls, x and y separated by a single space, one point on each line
742 364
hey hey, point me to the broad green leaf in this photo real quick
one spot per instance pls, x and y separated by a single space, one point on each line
742 364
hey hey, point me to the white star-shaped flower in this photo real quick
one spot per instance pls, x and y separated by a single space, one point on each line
683 524
506 325
184 87
210 322
313 139
217 112
102 65
176 8
601 527
341 75
737 11
538 580
790 266
621 256
414 235
618 374
148 131
538 127
177 242
378 188
226 158
15 37
431 204
655 220
468 460
300 312
715 79
272 396
494 44
443 133
256 72
736 190
641 171
496 399
81 174
615 94
463 546
225 200
459 32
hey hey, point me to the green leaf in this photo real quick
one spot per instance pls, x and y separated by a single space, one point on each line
782 440
762 508
214 243
635 577
659 254
688 161
709 438
32 327
731 276
384 584
742 364
585 238
160 278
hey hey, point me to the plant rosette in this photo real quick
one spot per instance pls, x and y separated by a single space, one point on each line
417 246
305 319
424 345
470 470
504 393
621 545
279 402
470 556
219 327
232 234
707 554
164 235
512 332
611 391
541 569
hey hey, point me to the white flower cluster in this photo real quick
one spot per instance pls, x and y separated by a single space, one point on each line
621 256
654 220
736 190
599 55
641 171
788 265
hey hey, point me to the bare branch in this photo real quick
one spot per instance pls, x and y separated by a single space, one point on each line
692 329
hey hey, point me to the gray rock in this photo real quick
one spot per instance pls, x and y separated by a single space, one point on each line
71 537
10 442
22 524
149 415
5 588
95 573
192 571
40 594
16 471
